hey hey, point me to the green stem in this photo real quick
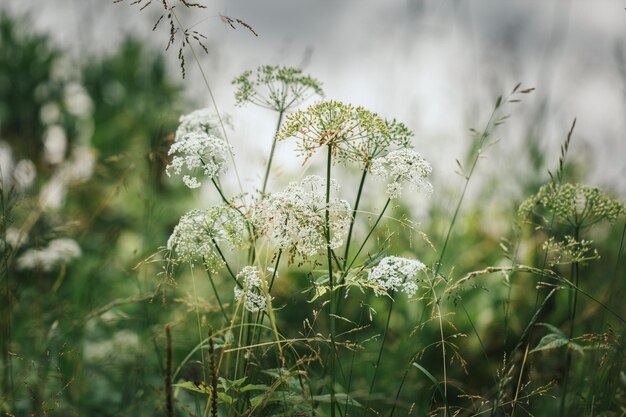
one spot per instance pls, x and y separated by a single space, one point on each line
573 302
217 296
382 345
331 311
380 216
354 212
271 157
195 294
249 226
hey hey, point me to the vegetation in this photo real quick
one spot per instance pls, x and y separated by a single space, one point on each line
124 293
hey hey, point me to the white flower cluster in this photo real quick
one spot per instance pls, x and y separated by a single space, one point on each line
252 293
198 121
198 231
404 165
394 273
295 218
198 151
57 252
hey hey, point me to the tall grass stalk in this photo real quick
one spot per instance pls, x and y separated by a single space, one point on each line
329 258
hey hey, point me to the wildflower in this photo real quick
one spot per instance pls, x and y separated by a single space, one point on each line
295 218
394 273
196 151
200 231
252 292
286 87
199 121
577 205
404 165
569 251
57 252
354 133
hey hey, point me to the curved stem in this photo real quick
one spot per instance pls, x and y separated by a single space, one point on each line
354 212
217 296
271 157
380 216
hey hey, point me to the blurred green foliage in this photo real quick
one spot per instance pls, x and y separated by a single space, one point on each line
87 338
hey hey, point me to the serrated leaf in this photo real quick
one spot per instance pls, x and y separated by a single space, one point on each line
192 386
550 341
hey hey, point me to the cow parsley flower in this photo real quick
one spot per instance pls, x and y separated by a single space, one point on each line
276 88
199 121
252 293
196 153
294 219
404 165
577 205
395 273
354 133
57 252
199 231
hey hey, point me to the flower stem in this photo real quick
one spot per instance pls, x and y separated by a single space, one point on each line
331 311
354 212
271 157
382 345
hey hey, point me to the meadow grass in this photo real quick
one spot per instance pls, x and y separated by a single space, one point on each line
302 297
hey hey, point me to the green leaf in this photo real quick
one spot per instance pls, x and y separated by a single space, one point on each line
576 347
192 386
437 383
552 328
551 341
254 387
225 398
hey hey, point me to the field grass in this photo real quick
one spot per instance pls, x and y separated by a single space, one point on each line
142 276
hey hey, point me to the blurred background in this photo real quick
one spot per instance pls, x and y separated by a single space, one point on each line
90 98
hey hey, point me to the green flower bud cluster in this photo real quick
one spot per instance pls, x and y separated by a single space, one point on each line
576 205
276 88
353 133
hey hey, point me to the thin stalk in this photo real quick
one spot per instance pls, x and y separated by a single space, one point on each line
230 271
331 311
7 364
169 398
217 296
281 112
354 213
250 227
573 301
213 101
380 216
382 345
195 293
345 412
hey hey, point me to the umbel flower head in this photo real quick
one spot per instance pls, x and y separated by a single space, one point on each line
395 273
294 219
275 88
576 205
198 233
198 121
404 165
354 133
195 154
252 293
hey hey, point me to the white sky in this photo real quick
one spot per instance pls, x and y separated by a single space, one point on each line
435 65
